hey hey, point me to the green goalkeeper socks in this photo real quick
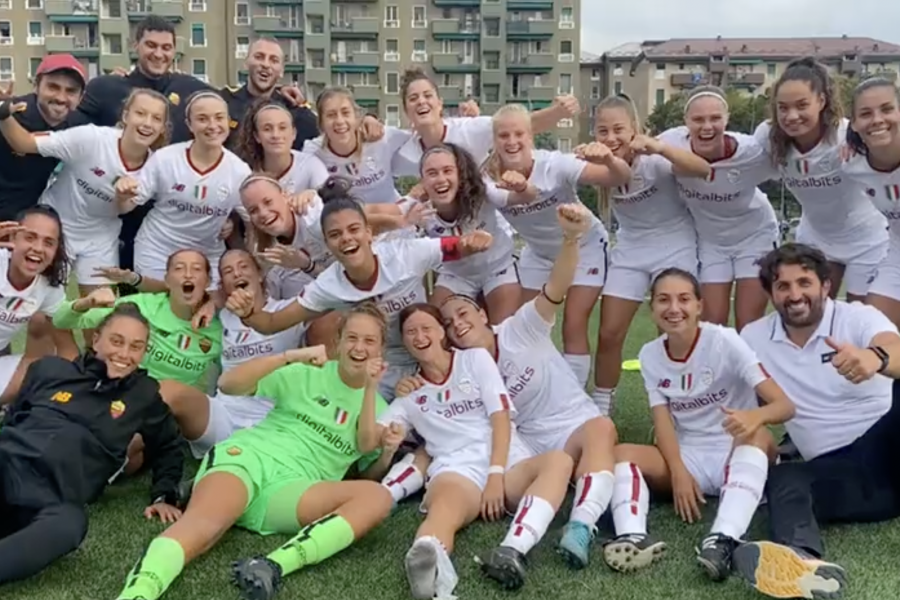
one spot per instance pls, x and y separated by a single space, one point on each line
315 542
155 571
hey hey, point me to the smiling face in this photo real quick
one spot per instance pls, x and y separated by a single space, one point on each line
238 271
423 336
348 237
615 130
876 117
187 277
706 119
268 208
58 94
144 120
275 131
798 108
513 140
339 119
121 344
208 120
422 104
440 178
361 339
156 52
265 66
467 326
675 306
799 296
35 246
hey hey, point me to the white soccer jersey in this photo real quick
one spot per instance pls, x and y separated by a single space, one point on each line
191 206
720 372
883 189
455 414
370 169
475 135
402 263
285 283
495 258
306 172
834 205
18 306
556 176
727 207
240 344
648 208
542 386
83 192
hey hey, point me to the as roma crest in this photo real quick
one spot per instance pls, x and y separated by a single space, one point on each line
205 345
117 409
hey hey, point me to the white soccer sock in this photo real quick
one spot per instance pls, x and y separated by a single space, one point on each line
533 517
745 480
404 479
603 398
630 500
580 365
593 492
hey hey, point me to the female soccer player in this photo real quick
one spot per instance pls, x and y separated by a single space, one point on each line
93 158
33 274
195 185
555 177
177 350
480 466
456 191
286 473
735 223
207 420
804 142
711 436
874 135
390 272
655 230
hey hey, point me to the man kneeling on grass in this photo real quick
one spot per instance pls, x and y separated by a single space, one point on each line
836 362
65 437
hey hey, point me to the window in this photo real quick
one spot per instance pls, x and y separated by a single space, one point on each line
660 97
365 80
391 17
392 115
419 54
771 69
315 24
340 79
565 124
34 4
491 60
565 83
7 72
491 93
564 145
595 92
6 36
446 47
618 87
198 68
241 13
33 63
6 4
565 51
419 17
243 77
660 72
566 18
595 74
618 71
112 43
446 80
392 83
391 51
197 6
35 33
198 35
111 9
242 46
492 27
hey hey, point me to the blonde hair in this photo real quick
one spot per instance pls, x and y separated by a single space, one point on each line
334 92
162 139
624 102
263 239
369 309
706 91
492 166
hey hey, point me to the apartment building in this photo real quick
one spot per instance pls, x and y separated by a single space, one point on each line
495 51
653 71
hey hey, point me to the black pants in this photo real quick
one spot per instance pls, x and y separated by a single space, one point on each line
131 223
855 484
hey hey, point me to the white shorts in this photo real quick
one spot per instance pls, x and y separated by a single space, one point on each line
708 465
150 261
555 434
484 284
224 421
473 462
392 377
632 269
534 270
861 260
8 366
724 265
87 255
887 276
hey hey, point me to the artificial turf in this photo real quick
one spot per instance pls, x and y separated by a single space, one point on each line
373 568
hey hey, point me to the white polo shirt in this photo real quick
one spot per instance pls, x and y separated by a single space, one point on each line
831 412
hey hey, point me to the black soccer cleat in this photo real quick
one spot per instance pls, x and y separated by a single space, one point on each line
506 566
632 552
257 578
714 555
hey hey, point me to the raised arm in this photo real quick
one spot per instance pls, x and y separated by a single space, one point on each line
87 312
574 220
243 379
684 162
603 168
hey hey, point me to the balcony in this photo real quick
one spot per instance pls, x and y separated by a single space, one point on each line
889 74
459 3
530 30
529 5
851 66
358 62
69 44
454 29
531 63
281 2
317 74
294 64
72 11
535 94
171 10
357 28
746 79
451 95
689 80
277 27
454 63
366 95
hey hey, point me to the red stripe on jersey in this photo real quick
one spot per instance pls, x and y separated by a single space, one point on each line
764 372
504 401
588 481
635 488
450 249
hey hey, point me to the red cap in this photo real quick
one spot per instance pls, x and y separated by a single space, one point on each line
62 62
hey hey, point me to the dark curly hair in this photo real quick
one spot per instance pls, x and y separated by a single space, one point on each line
248 147
854 140
471 193
816 75
57 272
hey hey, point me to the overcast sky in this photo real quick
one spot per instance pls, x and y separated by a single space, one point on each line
608 23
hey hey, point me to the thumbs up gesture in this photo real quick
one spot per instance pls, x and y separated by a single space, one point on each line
854 364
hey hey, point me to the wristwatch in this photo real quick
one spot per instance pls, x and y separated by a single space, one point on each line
883 356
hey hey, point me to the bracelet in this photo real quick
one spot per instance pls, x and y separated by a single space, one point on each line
310 268
496 470
549 299
138 278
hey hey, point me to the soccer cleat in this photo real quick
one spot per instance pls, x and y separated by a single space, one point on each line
257 578
632 552
421 568
575 544
784 572
714 555
787 449
506 566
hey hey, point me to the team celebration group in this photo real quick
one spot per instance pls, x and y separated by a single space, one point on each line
264 242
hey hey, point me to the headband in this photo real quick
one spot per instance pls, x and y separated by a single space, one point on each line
462 297
200 96
698 95
259 177
272 106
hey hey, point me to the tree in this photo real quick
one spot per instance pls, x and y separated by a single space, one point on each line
667 115
404 184
544 141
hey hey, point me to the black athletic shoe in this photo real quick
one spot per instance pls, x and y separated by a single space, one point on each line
632 552
787 449
714 555
784 572
506 566
258 578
